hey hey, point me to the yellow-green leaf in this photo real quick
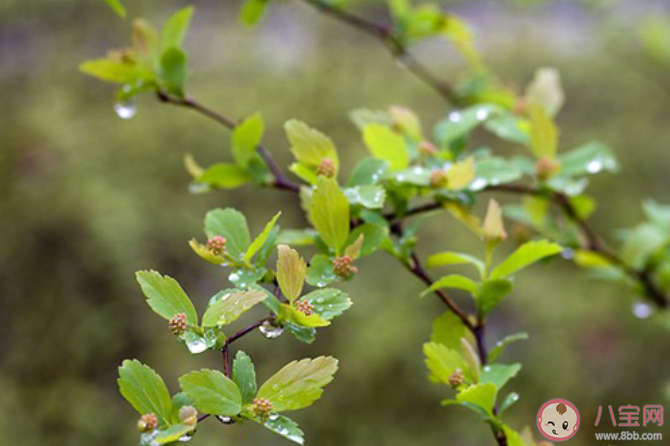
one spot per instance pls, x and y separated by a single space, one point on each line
329 211
231 306
386 145
482 395
165 296
262 237
212 392
543 134
525 255
493 228
145 390
246 138
291 271
115 71
461 174
309 146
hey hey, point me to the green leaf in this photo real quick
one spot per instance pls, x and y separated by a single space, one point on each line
296 237
460 123
494 171
491 292
224 176
454 258
172 434
329 212
543 134
371 197
179 400
230 305
302 334
461 174
320 272
328 302
513 437
288 313
386 145
261 239
503 343
588 159
509 128
246 137
176 27
252 11
507 402
232 225
453 281
117 7
212 392
298 384
145 390
291 272
244 375
173 70
448 329
309 146
482 395
443 361
525 255
368 171
499 374
285 427
165 296
116 72
374 236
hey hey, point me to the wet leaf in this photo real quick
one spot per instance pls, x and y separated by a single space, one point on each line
212 392
165 296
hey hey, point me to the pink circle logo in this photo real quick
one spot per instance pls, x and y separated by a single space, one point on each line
558 420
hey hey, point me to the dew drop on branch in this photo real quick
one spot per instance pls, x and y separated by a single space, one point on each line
270 331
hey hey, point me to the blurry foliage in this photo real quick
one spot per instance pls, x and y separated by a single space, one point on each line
87 199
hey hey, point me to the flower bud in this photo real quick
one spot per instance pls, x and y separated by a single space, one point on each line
427 148
438 178
217 244
178 324
147 422
188 415
326 168
304 307
456 379
261 408
546 168
342 266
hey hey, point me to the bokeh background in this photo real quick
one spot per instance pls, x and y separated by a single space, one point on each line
86 199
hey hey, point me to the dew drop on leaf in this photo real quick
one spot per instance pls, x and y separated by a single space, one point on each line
225 420
270 331
594 166
642 310
126 109
454 116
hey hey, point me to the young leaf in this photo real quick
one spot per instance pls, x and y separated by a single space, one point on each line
230 306
285 427
288 313
262 237
252 11
367 172
171 435
493 228
525 255
443 361
461 174
116 72
545 90
309 146
246 137
453 281
373 235
491 292
165 296
329 212
298 384
507 402
145 390
224 176
301 333
503 343
499 374
448 330
291 272
212 392
244 375
320 272
173 69
482 395
117 7
589 158
513 437
232 225
371 196
459 123
454 258
386 145
543 135
407 122
176 27
328 302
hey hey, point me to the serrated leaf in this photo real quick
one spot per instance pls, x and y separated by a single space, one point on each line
204 252
232 225
461 174
230 306
448 329
301 333
288 313
212 392
172 434
176 27
386 145
454 258
165 296
329 212
499 374
328 302
246 137
173 69
291 272
244 375
453 281
309 146
224 176
588 159
298 384
493 171
482 395
513 437
320 272
145 390
285 427
115 72
543 134
443 361
491 292
261 239
368 171
503 343
252 11
371 196
525 255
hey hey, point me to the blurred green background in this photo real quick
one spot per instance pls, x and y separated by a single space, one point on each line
87 198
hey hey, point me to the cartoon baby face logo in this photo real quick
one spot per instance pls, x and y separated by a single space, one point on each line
558 420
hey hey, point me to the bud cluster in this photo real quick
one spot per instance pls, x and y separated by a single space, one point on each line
456 379
217 244
546 168
262 407
438 178
188 415
305 307
342 266
178 324
147 422
326 168
427 148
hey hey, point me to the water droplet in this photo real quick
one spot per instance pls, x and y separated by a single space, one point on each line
273 416
594 166
400 177
196 346
270 331
487 368
417 170
126 109
478 184
234 277
568 254
482 114
454 116
321 284
225 420
185 438
642 309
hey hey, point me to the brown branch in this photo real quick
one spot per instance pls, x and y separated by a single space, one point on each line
280 181
396 47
